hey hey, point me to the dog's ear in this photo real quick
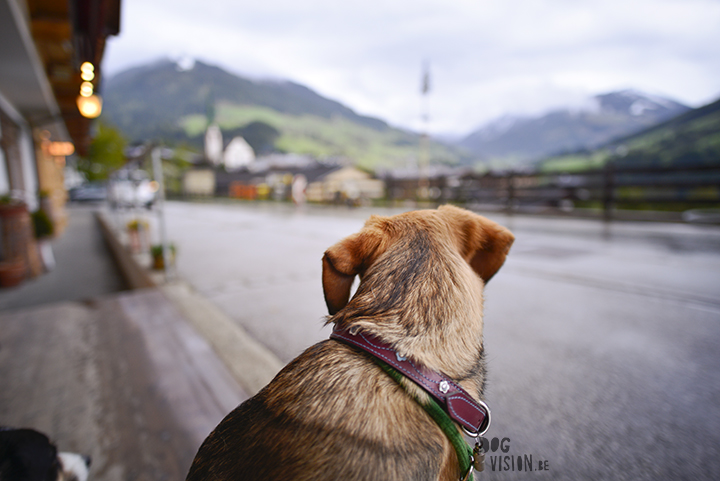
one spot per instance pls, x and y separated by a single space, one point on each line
483 243
343 261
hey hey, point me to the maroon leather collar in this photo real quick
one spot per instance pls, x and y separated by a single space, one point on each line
473 416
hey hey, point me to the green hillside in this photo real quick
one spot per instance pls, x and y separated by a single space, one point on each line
159 102
322 137
692 138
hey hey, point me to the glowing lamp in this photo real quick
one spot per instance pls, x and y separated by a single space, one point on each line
61 149
89 107
86 89
87 71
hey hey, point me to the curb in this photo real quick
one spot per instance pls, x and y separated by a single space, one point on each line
134 275
252 365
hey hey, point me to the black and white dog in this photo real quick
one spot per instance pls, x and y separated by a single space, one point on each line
28 455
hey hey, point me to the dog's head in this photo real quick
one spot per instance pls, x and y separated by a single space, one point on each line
421 275
480 242
28 455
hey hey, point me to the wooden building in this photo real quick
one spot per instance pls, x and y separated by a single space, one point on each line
50 66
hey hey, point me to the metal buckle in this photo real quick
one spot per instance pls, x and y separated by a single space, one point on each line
483 427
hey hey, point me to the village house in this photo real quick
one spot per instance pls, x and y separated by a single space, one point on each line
279 175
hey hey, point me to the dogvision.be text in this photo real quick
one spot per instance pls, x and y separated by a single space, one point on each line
510 462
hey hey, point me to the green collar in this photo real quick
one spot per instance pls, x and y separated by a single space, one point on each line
463 450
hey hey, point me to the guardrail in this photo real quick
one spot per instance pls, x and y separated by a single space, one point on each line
606 192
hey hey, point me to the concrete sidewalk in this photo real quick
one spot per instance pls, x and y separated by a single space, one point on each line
83 268
121 378
128 377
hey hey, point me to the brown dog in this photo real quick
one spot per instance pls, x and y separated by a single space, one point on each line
332 413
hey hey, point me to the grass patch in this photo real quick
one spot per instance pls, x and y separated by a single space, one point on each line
326 137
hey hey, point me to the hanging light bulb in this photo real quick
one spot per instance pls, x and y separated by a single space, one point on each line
86 89
90 106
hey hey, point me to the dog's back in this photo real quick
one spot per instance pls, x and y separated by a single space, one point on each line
330 414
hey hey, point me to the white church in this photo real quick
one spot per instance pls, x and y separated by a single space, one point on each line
237 154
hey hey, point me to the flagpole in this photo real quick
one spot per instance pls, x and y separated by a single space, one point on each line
424 157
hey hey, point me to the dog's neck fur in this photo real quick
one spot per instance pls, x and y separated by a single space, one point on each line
422 298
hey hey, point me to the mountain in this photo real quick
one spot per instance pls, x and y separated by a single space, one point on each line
174 92
163 101
518 140
690 139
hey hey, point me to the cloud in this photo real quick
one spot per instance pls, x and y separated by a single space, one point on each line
487 58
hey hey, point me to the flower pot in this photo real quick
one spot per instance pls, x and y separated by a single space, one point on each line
159 261
12 272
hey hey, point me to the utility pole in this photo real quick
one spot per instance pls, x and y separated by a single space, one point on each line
424 154
160 201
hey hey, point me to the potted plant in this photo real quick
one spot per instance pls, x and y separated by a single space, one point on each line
44 230
42 224
159 259
14 239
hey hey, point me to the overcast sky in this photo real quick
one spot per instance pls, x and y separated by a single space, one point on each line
486 58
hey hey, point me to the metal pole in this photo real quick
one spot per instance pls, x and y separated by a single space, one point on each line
160 201
510 192
608 190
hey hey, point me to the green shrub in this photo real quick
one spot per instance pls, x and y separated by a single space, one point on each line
42 224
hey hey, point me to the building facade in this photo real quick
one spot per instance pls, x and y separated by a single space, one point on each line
50 57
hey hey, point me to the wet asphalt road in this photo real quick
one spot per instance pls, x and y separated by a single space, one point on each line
603 342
